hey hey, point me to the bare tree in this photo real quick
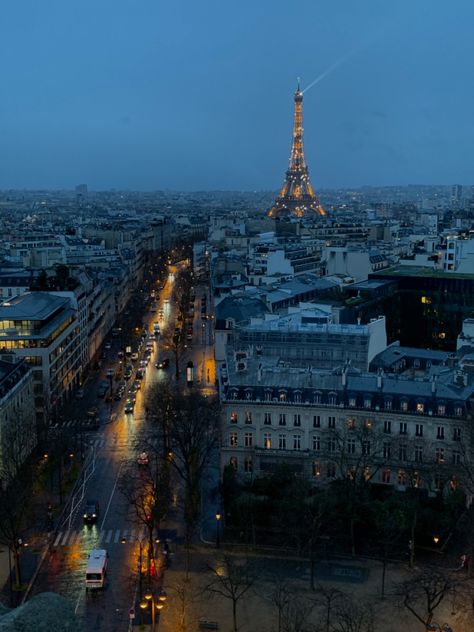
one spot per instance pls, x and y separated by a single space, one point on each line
189 424
147 490
424 592
231 578
327 600
354 616
185 596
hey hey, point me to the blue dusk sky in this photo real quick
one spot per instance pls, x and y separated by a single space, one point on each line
198 94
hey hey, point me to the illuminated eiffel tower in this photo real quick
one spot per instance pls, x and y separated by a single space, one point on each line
296 197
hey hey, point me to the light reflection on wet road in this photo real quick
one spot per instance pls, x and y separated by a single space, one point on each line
63 570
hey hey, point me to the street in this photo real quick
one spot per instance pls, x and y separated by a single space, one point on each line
107 451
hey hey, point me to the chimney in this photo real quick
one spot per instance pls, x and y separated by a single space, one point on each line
379 379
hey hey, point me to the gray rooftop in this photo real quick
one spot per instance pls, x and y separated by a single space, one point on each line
31 306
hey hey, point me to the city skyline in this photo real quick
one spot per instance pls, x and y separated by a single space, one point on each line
200 98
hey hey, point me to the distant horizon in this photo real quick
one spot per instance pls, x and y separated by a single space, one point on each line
253 191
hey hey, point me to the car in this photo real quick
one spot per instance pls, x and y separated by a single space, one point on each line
128 372
148 355
91 511
134 357
164 364
143 458
139 374
129 406
118 395
132 395
143 364
189 336
108 345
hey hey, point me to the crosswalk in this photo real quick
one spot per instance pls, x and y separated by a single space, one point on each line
105 537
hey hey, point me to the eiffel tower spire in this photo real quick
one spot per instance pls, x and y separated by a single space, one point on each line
296 197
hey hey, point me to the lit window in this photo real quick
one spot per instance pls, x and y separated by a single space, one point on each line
404 406
441 410
402 477
267 441
351 423
233 418
316 468
233 440
420 407
282 397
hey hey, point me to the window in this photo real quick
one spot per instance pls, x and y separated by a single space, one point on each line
366 447
233 462
233 418
402 452
332 399
418 454
367 402
439 455
352 401
456 434
456 457
317 398
351 446
441 410
296 442
387 427
316 442
404 406
316 468
440 432
248 417
282 442
351 423
316 421
331 470
282 419
267 441
402 477
420 407
403 428
297 419
416 480
388 406
386 450
331 422
248 465
268 396
233 440
297 398
248 439
419 430
386 476
331 445
368 423
282 396
267 419
458 411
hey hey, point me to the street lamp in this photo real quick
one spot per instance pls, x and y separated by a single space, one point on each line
140 564
218 534
157 604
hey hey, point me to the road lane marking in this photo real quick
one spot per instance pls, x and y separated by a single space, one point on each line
66 536
111 496
117 535
109 535
58 537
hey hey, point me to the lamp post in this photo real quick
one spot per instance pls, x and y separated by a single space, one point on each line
156 604
218 531
140 562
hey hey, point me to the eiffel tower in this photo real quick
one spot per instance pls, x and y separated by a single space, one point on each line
296 197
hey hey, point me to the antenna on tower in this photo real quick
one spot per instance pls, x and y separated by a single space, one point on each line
298 79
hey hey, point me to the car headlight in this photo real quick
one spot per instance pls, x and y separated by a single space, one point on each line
94 516
85 515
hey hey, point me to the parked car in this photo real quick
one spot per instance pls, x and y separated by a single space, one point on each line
129 406
134 357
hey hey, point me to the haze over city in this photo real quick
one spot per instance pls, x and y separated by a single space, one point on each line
196 96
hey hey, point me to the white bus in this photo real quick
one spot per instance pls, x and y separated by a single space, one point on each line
96 568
